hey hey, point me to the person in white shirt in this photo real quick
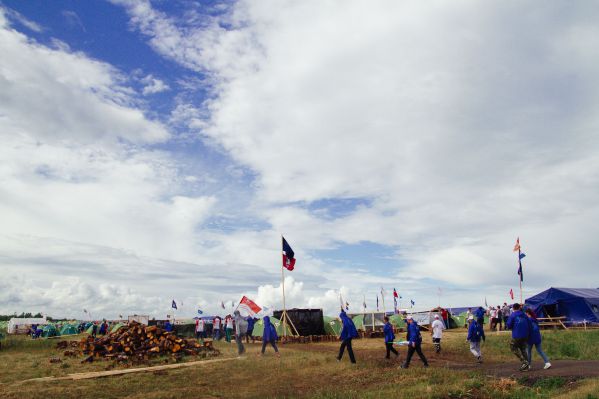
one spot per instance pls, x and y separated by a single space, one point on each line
200 330
437 332
468 314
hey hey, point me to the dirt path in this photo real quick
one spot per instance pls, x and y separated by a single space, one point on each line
98 374
569 369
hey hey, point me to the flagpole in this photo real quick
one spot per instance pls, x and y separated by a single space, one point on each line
383 298
521 272
284 316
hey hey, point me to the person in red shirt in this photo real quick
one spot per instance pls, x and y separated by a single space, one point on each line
445 316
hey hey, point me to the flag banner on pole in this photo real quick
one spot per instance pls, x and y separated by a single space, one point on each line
249 306
364 304
520 271
512 294
174 304
200 311
486 304
412 303
377 303
395 295
222 304
517 246
288 256
346 305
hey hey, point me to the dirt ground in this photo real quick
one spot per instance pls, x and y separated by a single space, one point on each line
569 369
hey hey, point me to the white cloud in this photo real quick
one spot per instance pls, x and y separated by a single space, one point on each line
460 135
153 85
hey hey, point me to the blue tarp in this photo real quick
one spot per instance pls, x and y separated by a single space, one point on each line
576 304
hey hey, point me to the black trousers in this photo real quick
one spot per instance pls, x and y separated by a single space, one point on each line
350 351
417 349
390 349
272 343
519 347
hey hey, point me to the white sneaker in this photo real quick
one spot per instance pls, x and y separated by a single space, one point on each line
547 365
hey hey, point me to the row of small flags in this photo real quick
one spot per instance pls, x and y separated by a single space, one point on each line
245 303
289 264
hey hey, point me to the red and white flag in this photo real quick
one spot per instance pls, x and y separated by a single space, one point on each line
249 306
512 294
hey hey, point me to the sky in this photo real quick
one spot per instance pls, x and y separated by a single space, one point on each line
157 150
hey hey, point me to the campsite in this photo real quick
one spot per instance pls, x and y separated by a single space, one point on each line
58 365
337 199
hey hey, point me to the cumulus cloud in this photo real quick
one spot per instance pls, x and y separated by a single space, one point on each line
455 133
463 134
153 85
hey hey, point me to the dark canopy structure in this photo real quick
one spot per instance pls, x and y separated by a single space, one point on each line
578 305
307 321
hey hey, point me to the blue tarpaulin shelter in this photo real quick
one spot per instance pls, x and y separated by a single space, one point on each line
578 305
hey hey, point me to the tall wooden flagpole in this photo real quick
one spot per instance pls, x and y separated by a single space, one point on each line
521 271
284 318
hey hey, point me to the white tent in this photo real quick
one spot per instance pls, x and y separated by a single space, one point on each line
18 325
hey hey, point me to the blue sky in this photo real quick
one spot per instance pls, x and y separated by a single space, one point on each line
174 142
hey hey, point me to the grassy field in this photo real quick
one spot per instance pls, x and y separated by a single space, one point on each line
310 371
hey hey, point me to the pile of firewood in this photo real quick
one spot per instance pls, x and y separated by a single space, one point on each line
138 343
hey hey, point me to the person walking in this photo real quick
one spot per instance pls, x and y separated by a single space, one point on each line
415 343
479 315
228 328
269 336
348 332
535 339
505 311
437 333
216 328
250 334
475 334
389 338
445 317
467 316
200 329
241 328
521 327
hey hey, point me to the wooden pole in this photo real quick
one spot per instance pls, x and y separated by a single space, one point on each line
521 272
284 318
284 314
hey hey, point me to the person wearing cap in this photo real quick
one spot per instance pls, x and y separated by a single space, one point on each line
437 332
475 334
414 343
389 338
521 328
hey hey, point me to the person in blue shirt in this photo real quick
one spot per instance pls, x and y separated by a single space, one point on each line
348 332
521 328
269 336
250 333
414 339
389 338
535 339
475 334
479 314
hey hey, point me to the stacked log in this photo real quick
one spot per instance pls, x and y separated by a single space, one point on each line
138 342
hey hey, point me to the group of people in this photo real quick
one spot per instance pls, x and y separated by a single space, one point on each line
523 325
526 334
239 327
